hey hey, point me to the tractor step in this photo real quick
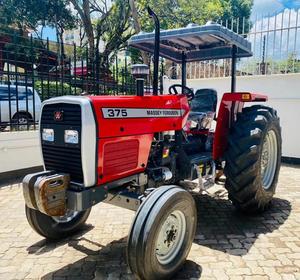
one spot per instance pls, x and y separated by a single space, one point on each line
198 159
205 168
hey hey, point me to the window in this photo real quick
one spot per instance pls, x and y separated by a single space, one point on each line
6 92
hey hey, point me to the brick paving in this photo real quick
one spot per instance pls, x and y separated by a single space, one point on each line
228 245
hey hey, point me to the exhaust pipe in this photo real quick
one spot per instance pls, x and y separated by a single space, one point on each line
156 49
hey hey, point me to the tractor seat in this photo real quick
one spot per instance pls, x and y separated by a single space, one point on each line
205 100
203 108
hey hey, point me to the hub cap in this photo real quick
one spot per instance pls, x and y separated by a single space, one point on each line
69 216
269 159
170 237
22 123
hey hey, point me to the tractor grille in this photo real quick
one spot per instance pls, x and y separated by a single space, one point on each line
71 114
58 155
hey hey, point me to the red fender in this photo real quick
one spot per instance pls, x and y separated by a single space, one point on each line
231 104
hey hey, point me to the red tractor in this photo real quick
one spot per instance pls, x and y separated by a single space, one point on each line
137 152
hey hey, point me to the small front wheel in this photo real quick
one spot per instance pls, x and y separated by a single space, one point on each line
56 227
162 233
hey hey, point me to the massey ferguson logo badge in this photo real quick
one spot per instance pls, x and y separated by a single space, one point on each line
58 115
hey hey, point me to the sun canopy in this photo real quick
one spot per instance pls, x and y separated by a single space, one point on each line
210 41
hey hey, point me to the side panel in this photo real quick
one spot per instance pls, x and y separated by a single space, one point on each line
231 104
120 116
120 157
126 125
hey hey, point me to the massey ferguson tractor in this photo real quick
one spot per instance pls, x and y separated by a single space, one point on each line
138 152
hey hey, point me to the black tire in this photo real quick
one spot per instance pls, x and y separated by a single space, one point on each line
142 247
51 229
21 121
244 182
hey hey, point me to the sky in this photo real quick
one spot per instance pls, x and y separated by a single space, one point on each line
273 7
275 14
50 33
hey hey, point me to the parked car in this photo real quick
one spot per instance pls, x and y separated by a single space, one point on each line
20 106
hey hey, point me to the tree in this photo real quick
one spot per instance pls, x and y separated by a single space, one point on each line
137 26
33 15
109 23
238 10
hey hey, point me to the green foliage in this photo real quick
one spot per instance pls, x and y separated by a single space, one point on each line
238 10
53 89
290 65
31 14
179 13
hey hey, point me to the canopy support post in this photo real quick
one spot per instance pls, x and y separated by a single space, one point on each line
234 108
183 69
233 68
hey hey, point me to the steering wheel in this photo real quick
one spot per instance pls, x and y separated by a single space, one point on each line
184 89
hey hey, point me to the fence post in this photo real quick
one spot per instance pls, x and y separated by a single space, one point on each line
48 75
62 68
87 69
126 73
33 87
117 74
16 76
97 72
74 68
161 88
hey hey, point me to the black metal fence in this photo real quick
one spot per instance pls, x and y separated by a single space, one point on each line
275 46
33 70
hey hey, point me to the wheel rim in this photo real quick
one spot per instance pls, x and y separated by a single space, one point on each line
170 237
22 123
269 159
22 120
69 216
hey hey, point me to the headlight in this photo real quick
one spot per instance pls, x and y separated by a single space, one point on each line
71 136
48 134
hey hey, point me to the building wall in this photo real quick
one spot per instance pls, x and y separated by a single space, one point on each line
19 150
284 95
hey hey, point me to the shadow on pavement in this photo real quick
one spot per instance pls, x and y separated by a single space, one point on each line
108 263
219 227
44 245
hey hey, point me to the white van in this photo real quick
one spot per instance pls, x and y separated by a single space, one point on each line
18 112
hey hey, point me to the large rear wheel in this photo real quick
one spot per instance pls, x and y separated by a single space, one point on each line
253 158
162 233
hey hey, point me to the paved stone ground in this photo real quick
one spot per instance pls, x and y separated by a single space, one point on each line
227 245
